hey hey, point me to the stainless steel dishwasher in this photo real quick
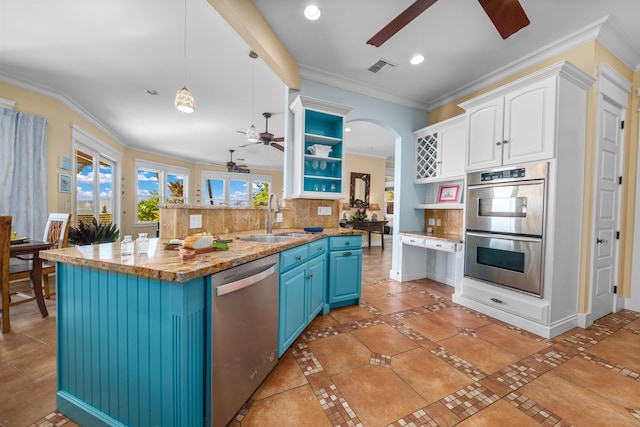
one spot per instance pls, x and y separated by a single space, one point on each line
244 317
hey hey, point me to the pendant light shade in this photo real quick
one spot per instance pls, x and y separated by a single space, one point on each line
184 101
252 134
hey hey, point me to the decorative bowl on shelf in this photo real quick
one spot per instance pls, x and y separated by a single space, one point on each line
320 150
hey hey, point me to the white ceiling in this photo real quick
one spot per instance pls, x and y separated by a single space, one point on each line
100 57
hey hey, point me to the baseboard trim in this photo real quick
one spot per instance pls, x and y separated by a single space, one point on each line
551 331
585 320
83 413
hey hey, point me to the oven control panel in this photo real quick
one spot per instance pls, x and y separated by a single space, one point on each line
504 174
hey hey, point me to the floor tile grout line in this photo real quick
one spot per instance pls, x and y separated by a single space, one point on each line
530 408
614 367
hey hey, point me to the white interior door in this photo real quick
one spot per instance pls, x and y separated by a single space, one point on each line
610 137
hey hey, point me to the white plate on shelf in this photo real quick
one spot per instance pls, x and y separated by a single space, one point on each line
18 240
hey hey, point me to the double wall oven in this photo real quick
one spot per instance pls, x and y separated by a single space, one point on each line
505 227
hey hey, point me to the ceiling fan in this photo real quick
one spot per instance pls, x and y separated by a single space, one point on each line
266 137
507 16
233 166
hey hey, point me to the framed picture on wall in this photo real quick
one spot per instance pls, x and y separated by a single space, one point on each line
64 183
449 193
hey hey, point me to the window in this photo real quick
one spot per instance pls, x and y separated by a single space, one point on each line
158 183
233 189
96 167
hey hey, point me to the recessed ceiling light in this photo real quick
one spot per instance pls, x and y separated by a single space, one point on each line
347 129
417 59
312 12
151 91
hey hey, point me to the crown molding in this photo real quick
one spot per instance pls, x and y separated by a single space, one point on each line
616 41
64 100
341 82
573 40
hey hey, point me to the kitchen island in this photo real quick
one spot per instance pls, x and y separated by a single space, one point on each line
132 331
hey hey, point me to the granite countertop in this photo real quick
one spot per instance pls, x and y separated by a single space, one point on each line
450 237
168 265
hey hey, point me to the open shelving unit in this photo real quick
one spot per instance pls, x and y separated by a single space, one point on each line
318 123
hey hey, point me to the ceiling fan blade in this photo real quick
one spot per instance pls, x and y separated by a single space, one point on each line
507 16
398 23
279 139
277 146
242 132
251 143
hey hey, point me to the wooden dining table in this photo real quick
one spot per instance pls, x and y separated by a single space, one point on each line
33 248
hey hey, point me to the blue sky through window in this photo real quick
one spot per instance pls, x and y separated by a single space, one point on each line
147 183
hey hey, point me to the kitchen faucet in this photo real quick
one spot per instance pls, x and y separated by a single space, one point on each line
276 208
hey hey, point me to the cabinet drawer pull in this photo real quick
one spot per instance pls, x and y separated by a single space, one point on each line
298 258
347 243
347 254
310 276
505 142
498 143
499 301
320 249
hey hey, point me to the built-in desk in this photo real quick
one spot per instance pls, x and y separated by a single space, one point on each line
426 255
369 226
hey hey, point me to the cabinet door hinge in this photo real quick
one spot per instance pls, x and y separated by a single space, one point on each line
615 289
617 235
619 180
622 124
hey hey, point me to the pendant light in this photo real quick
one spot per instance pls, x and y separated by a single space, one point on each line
184 99
252 133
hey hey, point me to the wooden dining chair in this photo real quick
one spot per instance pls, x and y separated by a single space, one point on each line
56 231
5 242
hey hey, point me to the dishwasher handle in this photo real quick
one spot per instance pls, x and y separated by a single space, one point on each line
246 282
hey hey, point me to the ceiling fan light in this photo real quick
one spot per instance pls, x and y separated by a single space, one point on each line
252 134
184 101
417 59
312 12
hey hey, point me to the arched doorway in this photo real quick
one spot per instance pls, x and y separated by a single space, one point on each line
370 149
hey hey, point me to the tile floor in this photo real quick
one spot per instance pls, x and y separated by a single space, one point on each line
407 356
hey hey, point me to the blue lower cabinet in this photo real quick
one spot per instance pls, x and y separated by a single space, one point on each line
316 286
303 290
293 307
130 349
345 270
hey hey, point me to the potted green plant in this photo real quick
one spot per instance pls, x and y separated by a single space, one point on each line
89 233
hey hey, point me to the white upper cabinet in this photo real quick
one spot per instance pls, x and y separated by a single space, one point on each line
318 149
517 123
439 151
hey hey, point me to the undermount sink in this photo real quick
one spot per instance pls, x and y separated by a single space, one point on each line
267 238
294 234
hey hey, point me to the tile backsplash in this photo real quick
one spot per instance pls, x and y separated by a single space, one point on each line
296 213
450 221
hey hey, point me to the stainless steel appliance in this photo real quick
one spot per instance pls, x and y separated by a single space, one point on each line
505 226
244 340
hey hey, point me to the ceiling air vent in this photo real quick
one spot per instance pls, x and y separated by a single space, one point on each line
382 66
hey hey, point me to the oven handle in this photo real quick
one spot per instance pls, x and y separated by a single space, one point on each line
513 183
506 237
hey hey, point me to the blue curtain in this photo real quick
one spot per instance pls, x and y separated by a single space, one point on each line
23 172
